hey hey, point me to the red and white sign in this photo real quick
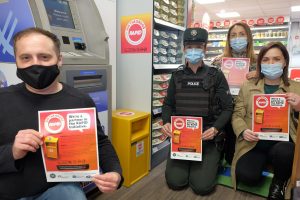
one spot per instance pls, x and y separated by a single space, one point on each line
280 20
270 117
251 22
186 142
295 74
69 149
136 34
260 21
227 23
271 20
235 70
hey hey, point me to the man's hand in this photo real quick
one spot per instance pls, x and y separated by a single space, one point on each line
209 134
107 182
250 136
27 140
166 129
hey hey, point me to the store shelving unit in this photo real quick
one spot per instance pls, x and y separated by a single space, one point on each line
261 36
167 39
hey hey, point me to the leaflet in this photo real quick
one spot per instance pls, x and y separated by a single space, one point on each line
69 150
270 117
235 71
186 142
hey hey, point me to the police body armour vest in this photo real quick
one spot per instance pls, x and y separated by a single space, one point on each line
192 94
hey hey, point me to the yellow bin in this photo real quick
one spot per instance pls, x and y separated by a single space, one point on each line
131 139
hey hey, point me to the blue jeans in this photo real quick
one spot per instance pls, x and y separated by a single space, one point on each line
62 191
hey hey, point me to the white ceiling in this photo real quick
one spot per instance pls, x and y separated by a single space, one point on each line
249 8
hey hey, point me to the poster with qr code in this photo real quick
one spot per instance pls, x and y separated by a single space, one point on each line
270 117
186 142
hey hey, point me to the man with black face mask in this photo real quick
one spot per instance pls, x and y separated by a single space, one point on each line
22 174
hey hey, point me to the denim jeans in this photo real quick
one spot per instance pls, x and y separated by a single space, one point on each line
62 191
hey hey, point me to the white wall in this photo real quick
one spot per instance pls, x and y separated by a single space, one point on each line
134 71
108 12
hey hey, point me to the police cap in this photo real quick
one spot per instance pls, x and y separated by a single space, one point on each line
195 35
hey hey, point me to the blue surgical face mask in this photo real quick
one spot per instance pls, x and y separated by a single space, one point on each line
238 44
194 55
272 71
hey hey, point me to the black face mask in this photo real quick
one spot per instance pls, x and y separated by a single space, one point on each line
38 76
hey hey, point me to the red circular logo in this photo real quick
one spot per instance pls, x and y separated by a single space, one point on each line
135 32
125 113
251 22
262 102
179 123
280 20
228 64
271 20
260 21
226 23
54 123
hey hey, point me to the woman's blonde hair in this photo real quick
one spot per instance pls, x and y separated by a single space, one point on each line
250 51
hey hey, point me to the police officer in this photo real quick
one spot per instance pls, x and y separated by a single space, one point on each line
196 89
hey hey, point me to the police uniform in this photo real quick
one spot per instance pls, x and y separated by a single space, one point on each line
204 94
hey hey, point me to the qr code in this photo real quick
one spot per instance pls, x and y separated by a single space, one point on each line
192 123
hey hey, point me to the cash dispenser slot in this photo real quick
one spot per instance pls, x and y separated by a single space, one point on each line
88 81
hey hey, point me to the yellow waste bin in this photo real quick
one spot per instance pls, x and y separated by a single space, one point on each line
131 139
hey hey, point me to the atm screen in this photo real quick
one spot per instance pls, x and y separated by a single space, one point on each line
59 13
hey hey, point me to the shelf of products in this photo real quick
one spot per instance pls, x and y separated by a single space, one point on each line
169 24
169 11
161 146
166 47
261 36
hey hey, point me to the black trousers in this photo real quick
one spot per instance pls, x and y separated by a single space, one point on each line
279 155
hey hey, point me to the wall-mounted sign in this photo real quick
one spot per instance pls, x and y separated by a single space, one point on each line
136 32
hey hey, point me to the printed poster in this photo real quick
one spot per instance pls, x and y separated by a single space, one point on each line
69 150
136 33
186 142
295 74
270 117
235 71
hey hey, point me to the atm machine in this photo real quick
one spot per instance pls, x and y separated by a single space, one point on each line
84 46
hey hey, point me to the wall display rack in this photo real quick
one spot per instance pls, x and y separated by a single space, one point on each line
169 24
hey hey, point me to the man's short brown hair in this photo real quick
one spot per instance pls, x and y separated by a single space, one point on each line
46 33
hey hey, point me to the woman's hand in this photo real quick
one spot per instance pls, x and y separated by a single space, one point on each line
166 129
294 100
250 136
251 74
209 134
